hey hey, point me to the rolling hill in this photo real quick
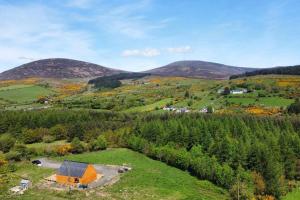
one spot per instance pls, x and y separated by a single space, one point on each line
57 68
201 69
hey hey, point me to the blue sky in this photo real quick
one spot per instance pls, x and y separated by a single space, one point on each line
141 34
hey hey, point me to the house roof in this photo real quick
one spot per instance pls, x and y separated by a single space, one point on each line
24 181
73 169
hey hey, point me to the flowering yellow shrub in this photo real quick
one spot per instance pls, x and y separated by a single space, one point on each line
262 111
71 88
288 82
63 149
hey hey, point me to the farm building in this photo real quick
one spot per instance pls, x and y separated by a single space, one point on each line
76 173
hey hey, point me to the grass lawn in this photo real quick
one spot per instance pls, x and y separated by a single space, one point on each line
149 179
150 107
24 94
275 101
294 195
12 87
242 100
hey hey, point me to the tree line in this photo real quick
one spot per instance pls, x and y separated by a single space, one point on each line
246 154
290 70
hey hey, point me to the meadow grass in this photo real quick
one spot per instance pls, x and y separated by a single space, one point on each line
294 195
148 179
24 94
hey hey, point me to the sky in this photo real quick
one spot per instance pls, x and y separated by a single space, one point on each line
137 35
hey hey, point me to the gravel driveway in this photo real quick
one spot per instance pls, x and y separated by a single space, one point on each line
109 172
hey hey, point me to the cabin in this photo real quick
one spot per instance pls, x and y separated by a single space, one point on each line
76 173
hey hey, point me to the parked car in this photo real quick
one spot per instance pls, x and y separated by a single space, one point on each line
37 162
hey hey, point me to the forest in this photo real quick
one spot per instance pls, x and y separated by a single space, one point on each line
113 81
290 70
256 156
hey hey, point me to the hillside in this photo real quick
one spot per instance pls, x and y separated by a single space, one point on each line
57 68
201 69
289 70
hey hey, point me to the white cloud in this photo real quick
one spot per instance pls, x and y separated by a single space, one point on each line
36 32
127 19
183 49
149 52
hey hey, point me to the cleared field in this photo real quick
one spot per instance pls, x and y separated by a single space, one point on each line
150 107
148 180
275 101
12 87
24 94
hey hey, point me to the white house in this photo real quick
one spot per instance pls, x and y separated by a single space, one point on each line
242 91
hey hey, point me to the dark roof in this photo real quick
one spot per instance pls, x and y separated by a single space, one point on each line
73 169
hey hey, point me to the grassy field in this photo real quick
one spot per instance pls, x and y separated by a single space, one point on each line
150 107
153 92
294 195
148 180
23 94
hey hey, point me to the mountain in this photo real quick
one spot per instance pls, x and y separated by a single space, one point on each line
288 70
201 69
57 68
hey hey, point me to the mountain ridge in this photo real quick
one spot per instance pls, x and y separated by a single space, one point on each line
59 68
200 69
63 68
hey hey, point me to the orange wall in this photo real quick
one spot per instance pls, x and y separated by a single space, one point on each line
89 176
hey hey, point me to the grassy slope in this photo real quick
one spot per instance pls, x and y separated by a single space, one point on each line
149 179
294 195
24 94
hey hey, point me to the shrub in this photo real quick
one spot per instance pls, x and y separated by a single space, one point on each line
77 146
23 151
48 138
91 134
239 191
99 144
31 136
6 142
294 107
13 155
59 132
62 150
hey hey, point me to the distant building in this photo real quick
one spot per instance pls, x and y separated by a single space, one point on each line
220 91
182 110
76 173
203 110
241 91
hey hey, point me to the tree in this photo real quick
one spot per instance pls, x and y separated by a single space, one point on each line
259 183
210 109
76 130
34 135
6 142
187 94
226 91
59 131
90 135
99 144
77 146
294 107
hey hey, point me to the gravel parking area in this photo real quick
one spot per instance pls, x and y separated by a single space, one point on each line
109 173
